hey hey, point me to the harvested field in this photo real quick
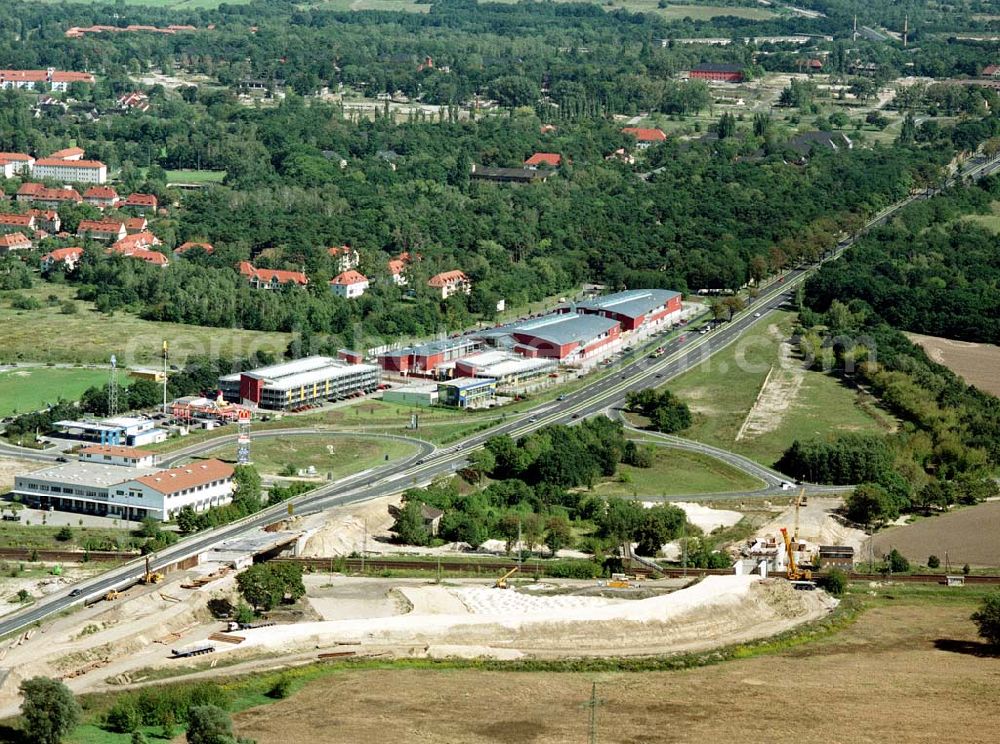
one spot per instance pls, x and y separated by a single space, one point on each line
884 656
975 363
968 535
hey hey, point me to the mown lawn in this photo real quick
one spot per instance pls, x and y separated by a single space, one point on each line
677 473
26 389
334 456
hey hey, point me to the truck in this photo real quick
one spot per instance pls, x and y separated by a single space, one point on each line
196 649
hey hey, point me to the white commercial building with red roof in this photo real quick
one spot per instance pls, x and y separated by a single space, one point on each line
121 487
15 164
57 80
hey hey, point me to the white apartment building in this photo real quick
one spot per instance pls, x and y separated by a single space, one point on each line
71 171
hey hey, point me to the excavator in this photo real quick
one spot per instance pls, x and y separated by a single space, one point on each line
150 576
800 578
501 583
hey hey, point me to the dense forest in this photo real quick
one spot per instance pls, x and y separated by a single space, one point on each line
927 271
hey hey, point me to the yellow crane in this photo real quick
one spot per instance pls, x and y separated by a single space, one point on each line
794 573
501 583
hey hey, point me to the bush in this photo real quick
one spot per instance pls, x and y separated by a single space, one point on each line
835 582
897 562
280 689
124 717
987 618
933 562
573 569
65 534
163 706
69 308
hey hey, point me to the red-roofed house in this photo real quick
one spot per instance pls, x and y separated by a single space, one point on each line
70 153
134 102
141 203
271 278
988 71
135 225
17 223
129 244
101 196
101 229
349 284
153 257
46 219
344 257
55 198
68 257
185 247
71 171
14 242
28 191
450 282
15 164
544 159
645 137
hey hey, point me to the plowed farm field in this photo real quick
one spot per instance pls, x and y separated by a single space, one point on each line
967 535
976 363
872 682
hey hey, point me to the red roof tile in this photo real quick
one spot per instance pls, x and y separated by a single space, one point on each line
14 240
645 135
349 277
447 277
185 247
545 158
187 476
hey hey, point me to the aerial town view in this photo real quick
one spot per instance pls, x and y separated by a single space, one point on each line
499 371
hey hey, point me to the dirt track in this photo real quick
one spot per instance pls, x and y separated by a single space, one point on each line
872 683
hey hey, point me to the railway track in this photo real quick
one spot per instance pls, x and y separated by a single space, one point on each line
539 569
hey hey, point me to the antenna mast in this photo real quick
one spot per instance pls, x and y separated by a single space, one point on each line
113 388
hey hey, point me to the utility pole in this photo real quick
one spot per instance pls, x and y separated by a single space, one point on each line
364 547
113 388
164 378
593 705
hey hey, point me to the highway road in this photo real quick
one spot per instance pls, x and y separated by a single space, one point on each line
595 397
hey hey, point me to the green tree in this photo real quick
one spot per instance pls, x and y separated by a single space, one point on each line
187 520
248 489
987 618
869 504
933 562
835 582
209 724
659 525
265 585
897 562
49 710
409 525
558 534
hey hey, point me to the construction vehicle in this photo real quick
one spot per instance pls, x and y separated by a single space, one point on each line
151 577
801 578
112 595
619 581
501 583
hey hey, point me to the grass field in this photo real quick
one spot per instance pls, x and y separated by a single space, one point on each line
798 404
335 456
48 335
32 388
990 221
678 473
195 176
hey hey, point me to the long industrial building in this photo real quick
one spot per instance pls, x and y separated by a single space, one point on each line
285 386
635 309
566 337
109 482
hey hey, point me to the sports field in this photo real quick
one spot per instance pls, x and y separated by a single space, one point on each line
25 389
195 176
